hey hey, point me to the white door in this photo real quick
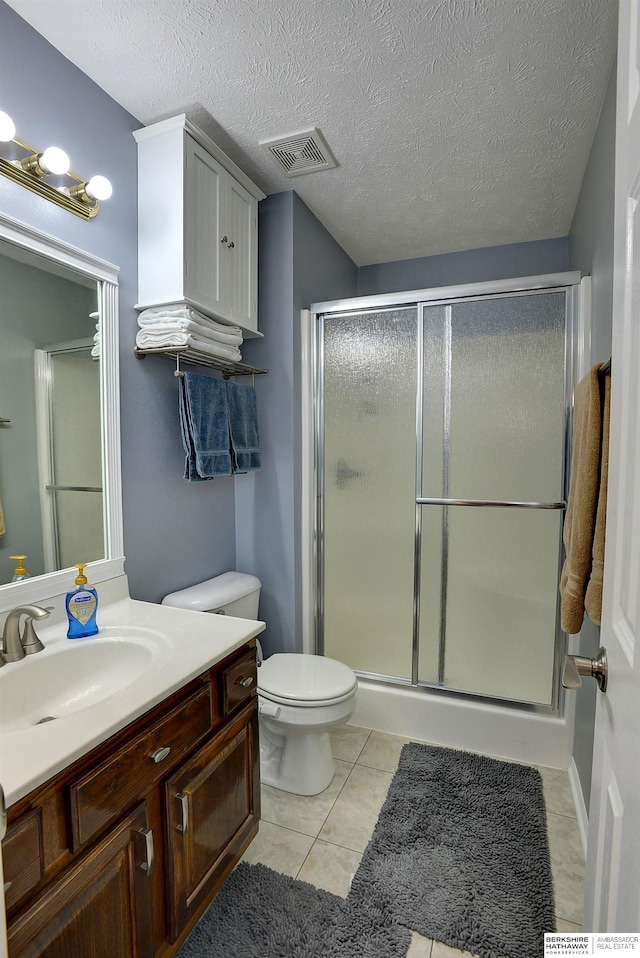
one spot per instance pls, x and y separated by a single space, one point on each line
612 901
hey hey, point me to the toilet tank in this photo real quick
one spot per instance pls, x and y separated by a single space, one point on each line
232 593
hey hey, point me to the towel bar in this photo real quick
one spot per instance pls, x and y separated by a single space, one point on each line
226 367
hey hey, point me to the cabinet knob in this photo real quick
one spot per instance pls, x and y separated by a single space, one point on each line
245 682
160 753
223 239
231 244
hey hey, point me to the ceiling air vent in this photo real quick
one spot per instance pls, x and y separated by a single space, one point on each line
303 152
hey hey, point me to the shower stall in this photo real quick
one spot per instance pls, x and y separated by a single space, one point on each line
440 451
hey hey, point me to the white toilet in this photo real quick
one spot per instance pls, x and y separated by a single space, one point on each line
300 697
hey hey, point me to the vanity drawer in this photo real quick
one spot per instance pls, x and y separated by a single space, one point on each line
238 682
22 856
102 795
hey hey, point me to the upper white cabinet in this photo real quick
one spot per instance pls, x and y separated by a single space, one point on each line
197 226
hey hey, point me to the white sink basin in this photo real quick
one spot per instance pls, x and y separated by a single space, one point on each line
75 675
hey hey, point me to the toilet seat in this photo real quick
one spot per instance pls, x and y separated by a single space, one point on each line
305 681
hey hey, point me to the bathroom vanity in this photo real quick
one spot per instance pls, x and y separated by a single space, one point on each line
119 852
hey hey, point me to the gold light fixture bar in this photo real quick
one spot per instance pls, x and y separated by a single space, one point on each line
68 190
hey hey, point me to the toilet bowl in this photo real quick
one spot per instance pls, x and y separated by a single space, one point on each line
301 697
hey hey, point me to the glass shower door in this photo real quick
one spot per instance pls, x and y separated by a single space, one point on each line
368 489
492 487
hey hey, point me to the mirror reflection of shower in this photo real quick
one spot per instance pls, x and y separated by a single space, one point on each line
45 305
69 453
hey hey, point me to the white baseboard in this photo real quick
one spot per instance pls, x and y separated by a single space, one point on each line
581 808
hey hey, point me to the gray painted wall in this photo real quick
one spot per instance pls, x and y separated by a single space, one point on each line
469 266
299 263
591 250
175 533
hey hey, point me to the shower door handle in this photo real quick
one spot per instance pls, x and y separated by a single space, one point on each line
576 666
496 503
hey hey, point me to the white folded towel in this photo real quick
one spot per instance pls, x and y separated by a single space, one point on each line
151 339
154 317
196 329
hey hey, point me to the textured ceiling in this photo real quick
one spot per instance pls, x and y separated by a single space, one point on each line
456 123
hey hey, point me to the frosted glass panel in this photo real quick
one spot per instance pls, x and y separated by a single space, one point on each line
76 443
502 592
507 398
369 489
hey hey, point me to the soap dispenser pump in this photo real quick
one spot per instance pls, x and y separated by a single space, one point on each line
21 571
82 603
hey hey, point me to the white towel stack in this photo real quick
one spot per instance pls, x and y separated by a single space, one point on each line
184 326
97 345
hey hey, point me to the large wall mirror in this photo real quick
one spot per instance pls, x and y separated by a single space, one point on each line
60 496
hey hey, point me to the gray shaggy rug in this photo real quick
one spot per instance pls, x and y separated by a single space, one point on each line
460 853
259 913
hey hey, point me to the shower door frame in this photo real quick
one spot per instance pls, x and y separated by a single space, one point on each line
576 340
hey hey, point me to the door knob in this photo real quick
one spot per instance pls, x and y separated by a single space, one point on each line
577 665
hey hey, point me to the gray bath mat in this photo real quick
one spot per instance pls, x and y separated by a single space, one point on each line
259 913
460 853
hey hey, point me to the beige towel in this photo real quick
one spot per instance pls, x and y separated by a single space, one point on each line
580 520
593 597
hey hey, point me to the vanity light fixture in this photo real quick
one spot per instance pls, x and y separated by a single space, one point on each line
47 173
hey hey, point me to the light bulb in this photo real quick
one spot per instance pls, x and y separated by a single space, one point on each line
7 127
54 160
98 188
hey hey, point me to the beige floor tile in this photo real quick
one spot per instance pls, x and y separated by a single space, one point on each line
279 848
420 947
441 950
568 926
355 813
303 813
347 742
330 867
567 866
382 751
557 791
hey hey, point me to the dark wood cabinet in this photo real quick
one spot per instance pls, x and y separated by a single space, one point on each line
99 908
212 810
118 855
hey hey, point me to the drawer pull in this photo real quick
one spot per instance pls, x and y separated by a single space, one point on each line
8 885
147 865
184 809
245 682
160 754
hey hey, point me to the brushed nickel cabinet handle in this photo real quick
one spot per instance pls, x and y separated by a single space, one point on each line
184 809
245 682
160 753
147 837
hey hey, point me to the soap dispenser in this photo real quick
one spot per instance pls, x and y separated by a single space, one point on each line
21 570
82 603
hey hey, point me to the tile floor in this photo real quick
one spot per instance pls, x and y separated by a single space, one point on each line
321 839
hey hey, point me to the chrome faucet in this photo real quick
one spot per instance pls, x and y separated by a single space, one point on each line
15 646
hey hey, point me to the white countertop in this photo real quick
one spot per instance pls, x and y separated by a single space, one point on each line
188 644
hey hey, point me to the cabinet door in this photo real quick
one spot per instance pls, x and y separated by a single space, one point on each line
205 240
212 814
99 908
239 255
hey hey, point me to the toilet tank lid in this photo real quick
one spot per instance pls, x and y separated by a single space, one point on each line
214 593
